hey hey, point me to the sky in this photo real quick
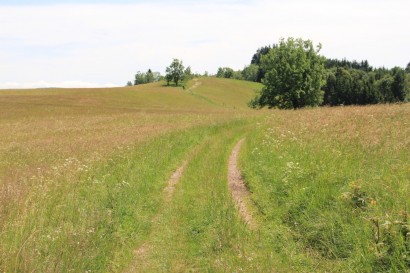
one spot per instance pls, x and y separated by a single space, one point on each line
73 43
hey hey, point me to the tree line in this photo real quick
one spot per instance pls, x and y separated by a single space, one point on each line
347 86
295 75
175 73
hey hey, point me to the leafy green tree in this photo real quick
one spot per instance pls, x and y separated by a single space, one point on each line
139 78
129 83
175 72
250 73
237 75
220 73
229 72
188 73
294 75
148 77
168 75
156 76
384 86
225 72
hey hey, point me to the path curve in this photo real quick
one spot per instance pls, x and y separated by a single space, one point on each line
143 250
239 191
170 188
196 85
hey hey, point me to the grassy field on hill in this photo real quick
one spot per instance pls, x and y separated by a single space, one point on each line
83 172
41 129
332 187
51 138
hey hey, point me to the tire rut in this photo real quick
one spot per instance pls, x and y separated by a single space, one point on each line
239 191
168 191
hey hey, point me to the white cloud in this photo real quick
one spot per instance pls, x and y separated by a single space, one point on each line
110 42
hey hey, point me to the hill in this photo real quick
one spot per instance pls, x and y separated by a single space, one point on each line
208 94
136 179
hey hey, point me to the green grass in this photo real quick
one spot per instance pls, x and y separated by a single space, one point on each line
335 182
200 230
107 211
213 90
82 173
82 170
41 129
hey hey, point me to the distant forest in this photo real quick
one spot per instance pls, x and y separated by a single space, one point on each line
295 75
344 82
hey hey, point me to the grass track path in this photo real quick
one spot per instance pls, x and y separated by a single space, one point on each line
199 229
122 207
237 186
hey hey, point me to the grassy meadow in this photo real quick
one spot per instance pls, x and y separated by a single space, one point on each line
82 173
332 187
53 140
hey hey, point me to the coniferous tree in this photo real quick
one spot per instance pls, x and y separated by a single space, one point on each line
408 68
257 58
149 76
398 86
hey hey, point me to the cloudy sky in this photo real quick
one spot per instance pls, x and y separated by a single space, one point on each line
73 43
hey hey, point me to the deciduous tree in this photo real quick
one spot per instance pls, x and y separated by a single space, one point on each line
250 73
225 72
294 75
175 72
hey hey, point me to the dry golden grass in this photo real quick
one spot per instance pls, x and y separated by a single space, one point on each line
71 176
40 130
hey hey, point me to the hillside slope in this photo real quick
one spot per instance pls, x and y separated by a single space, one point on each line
211 94
51 138
226 92
83 182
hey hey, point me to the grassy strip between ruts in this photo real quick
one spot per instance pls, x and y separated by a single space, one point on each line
93 221
333 187
201 231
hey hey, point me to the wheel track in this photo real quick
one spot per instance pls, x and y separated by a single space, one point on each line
237 186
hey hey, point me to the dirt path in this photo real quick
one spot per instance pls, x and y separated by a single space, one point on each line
170 188
143 250
237 186
196 84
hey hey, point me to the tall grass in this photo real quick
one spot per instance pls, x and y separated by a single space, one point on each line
81 170
82 174
92 221
201 230
41 129
336 183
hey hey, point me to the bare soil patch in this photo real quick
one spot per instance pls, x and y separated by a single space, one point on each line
239 191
